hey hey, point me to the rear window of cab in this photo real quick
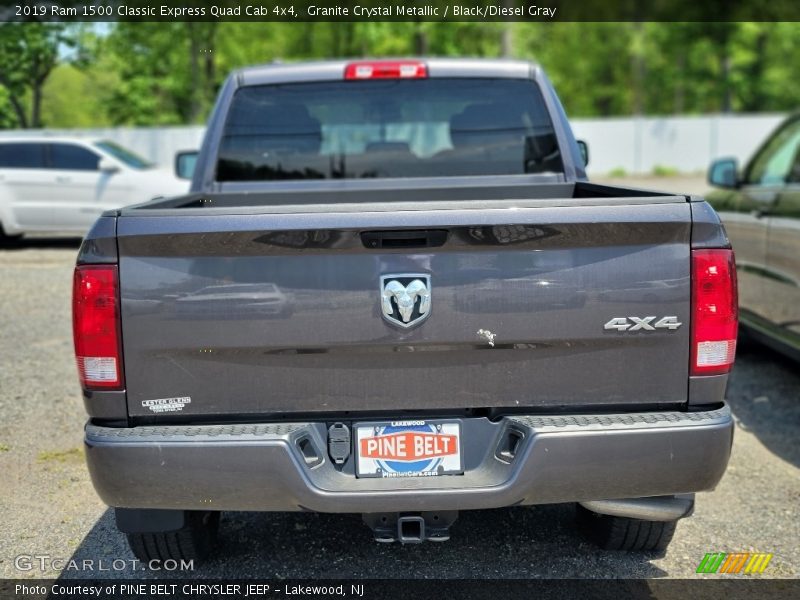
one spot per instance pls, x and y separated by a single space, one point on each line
387 128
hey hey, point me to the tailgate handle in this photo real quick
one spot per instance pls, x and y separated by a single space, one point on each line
406 238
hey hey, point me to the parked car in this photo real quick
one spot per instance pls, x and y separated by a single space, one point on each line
760 206
56 184
478 326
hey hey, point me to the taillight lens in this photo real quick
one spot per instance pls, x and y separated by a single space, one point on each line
715 311
96 326
386 69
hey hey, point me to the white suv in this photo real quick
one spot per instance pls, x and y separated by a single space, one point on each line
53 184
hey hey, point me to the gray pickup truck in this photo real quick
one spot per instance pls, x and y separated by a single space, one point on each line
392 291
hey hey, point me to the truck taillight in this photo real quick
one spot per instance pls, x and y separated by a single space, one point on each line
96 326
715 311
386 69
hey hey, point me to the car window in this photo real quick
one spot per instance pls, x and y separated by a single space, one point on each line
387 128
129 158
22 156
73 158
775 163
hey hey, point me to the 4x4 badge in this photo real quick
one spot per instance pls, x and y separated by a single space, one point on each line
642 323
405 298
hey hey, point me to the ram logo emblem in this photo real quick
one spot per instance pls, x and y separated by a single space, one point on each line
642 324
405 299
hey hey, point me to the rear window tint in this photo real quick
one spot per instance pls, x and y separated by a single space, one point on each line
387 128
24 155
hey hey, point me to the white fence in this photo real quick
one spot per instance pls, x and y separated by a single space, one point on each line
688 144
633 145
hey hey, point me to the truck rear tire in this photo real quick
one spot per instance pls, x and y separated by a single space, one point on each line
194 541
622 533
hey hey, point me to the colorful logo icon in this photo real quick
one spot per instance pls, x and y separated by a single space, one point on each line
734 562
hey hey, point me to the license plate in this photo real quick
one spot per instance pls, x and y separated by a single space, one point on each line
408 449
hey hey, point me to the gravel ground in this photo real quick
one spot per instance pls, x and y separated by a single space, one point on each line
49 507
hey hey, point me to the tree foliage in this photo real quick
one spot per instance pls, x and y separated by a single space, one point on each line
28 53
169 73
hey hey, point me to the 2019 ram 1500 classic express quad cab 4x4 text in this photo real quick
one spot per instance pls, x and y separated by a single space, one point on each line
391 291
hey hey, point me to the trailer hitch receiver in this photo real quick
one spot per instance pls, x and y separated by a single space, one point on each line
411 528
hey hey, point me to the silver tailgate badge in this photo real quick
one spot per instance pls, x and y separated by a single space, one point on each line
406 298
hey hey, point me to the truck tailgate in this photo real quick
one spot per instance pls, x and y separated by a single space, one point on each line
277 313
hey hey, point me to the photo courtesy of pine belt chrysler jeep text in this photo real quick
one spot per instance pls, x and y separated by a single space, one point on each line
392 291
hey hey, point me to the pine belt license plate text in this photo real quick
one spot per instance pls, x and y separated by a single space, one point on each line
408 449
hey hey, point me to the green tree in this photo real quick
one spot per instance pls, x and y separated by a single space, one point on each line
28 53
167 72
92 84
589 63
